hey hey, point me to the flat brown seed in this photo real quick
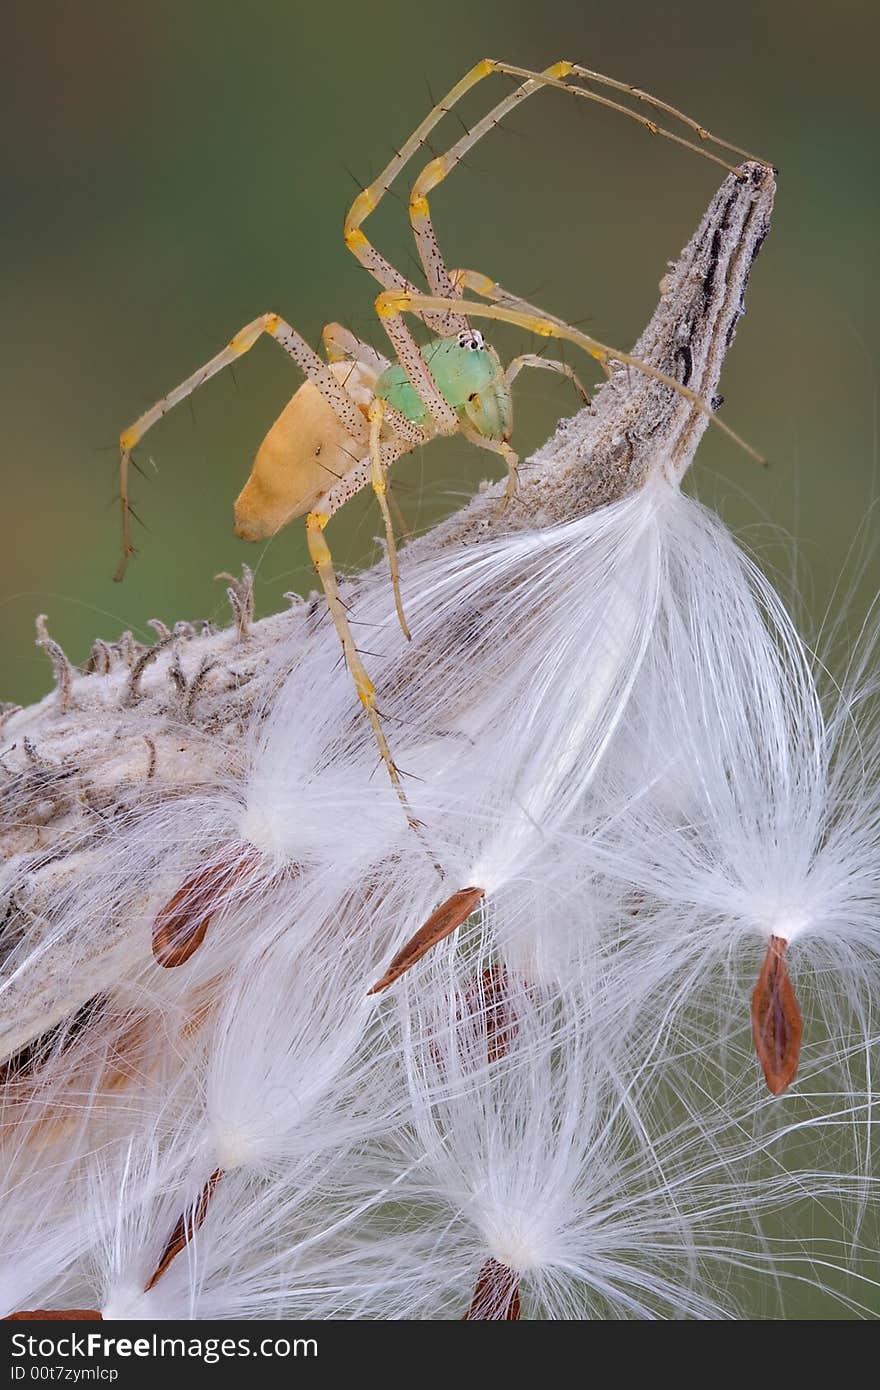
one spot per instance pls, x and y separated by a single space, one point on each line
441 923
496 1295
185 1229
777 1024
180 926
55 1315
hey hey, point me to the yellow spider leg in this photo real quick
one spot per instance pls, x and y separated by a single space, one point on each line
306 358
487 288
323 562
341 345
554 76
638 94
377 478
549 364
369 198
439 280
497 446
395 302
444 418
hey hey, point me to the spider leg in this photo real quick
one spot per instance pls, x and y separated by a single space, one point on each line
497 446
549 364
361 476
448 322
368 200
392 303
637 94
430 255
378 468
487 288
490 289
439 279
443 418
306 358
341 345
440 167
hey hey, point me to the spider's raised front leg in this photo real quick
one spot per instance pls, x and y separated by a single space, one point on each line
559 75
342 404
447 322
563 76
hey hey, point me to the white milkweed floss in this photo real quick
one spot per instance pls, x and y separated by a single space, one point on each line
217 1105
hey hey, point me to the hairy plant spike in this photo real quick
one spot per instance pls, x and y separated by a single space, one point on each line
241 599
132 689
61 666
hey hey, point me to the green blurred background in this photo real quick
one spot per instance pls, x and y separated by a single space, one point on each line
173 169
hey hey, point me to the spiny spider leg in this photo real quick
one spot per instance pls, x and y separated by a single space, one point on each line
497 446
368 199
344 407
439 168
443 418
549 364
638 94
377 478
439 280
392 303
341 345
487 288
426 241
316 521
490 289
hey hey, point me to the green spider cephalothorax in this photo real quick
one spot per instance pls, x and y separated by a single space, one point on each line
471 379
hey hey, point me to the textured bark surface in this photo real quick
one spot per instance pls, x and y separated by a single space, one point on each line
141 724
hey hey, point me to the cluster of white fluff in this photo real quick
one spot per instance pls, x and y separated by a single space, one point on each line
612 727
